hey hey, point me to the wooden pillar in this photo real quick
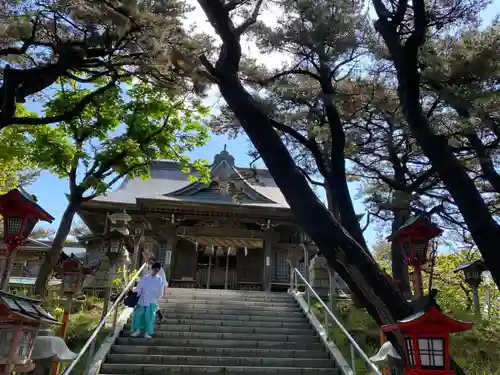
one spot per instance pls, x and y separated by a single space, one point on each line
169 248
266 272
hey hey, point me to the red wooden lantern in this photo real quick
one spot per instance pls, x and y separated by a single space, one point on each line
414 237
20 320
20 215
427 342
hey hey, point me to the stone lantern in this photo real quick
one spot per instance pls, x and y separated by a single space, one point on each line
114 240
113 243
414 238
426 336
73 274
137 228
473 277
20 215
20 320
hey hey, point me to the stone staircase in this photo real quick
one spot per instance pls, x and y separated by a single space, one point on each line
223 332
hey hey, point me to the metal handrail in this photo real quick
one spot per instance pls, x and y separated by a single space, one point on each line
353 343
92 338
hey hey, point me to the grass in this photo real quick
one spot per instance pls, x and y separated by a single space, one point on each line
476 351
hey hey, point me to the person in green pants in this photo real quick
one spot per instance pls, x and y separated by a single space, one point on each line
150 289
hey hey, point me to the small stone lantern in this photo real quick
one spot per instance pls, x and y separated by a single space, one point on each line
20 320
20 215
473 277
113 244
73 273
426 337
137 228
414 237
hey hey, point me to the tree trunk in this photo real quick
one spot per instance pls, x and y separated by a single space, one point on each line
52 257
483 228
337 179
340 192
330 201
401 211
361 273
350 261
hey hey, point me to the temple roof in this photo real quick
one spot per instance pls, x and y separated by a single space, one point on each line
254 187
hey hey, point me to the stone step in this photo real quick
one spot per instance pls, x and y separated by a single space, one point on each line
226 303
218 352
147 359
211 315
232 311
238 323
222 292
234 307
223 343
217 298
224 329
232 336
258 299
126 369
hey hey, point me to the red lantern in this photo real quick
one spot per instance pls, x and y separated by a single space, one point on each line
427 342
20 215
414 237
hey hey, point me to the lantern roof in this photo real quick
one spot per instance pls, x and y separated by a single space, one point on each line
72 261
430 314
420 224
26 308
18 200
479 264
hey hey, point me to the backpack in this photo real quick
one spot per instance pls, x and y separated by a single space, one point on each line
131 299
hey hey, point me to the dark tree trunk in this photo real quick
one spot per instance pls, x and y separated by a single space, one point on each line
337 178
361 273
331 203
398 264
483 228
52 257
358 269
340 192
350 261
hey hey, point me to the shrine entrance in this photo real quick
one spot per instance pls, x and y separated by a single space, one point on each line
217 268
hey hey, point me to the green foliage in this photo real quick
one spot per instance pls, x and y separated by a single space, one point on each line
91 42
453 292
120 135
16 163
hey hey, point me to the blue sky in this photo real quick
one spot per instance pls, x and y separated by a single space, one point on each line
50 190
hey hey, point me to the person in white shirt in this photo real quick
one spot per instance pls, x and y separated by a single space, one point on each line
150 289
152 261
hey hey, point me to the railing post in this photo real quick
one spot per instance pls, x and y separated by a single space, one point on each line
90 357
308 299
115 318
353 360
327 328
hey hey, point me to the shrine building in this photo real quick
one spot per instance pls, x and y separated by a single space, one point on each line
236 232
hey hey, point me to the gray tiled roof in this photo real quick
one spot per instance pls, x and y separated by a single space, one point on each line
166 178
